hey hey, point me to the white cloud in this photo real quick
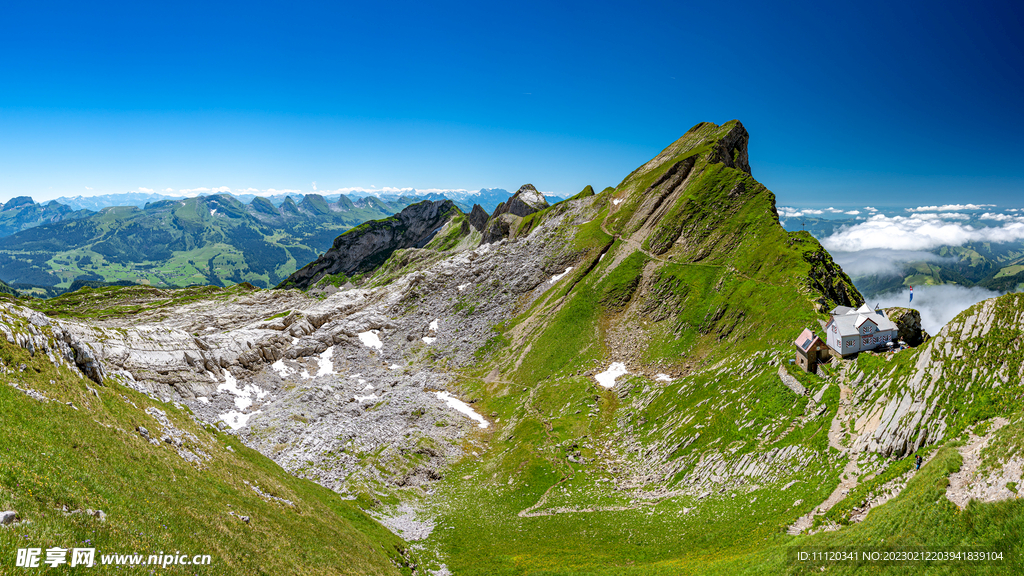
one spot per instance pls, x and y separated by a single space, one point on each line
88 188
833 210
852 212
314 184
871 209
950 207
168 190
247 190
917 232
790 212
147 190
193 191
274 191
1000 217
883 262
221 189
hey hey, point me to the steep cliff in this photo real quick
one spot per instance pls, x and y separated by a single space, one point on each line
368 245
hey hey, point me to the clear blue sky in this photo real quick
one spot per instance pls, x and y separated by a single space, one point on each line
881 103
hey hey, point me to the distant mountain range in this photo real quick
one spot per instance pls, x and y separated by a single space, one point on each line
204 240
488 198
177 241
22 213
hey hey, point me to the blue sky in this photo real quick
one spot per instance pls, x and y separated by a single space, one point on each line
868 103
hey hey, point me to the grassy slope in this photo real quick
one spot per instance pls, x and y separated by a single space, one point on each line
725 295
52 455
738 286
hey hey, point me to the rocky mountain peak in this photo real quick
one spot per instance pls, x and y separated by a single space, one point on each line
19 201
731 149
368 245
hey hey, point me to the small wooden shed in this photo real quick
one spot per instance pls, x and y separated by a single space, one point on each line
810 350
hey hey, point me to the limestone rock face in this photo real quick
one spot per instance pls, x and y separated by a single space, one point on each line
367 246
478 217
524 202
908 321
731 150
499 228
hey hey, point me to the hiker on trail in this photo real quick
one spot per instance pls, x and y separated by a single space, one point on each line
918 460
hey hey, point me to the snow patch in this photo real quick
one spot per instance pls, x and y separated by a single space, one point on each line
663 377
607 378
617 201
203 399
558 277
362 399
433 325
237 420
370 339
325 362
280 368
394 367
462 407
243 396
462 287
429 340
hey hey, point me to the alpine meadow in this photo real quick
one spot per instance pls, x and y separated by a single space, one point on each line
604 385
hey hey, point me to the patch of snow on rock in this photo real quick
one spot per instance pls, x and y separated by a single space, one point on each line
280 368
237 420
607 378
370 339
663 377
325 362
462 287
617 201
394 367
429 340
558 277
243 396
462 407
362 399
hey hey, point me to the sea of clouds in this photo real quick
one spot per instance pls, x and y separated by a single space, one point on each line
880 243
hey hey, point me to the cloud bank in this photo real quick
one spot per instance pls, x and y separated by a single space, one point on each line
881 262
950 207
917 232
937 304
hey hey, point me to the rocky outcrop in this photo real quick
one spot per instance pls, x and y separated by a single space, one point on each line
524 202
498 228
827 278
368 245
478 218
731 149
527 200
908 321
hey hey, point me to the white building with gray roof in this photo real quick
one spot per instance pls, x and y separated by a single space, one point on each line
853 330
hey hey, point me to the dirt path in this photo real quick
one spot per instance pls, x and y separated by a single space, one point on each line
968 484
851 472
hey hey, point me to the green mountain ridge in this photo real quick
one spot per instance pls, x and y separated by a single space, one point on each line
205 240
